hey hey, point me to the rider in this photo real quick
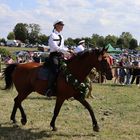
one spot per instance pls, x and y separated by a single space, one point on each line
80 47
57 50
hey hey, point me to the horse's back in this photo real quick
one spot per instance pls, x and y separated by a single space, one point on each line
25 77
25 69
29 65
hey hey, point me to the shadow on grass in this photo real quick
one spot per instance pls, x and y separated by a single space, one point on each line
41 98
14 132
116 85
76 135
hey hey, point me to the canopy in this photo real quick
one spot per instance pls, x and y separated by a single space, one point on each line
111 49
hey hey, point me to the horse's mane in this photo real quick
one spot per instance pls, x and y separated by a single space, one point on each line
83 54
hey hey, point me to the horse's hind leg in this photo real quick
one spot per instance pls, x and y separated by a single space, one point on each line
59 102
17 104
14 113
89 108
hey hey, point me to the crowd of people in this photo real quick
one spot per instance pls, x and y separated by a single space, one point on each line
125 70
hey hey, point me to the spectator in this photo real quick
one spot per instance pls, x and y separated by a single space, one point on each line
121 72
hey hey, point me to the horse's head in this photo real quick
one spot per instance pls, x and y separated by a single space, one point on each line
82 63
104 63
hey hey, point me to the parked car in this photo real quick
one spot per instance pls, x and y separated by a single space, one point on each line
11 43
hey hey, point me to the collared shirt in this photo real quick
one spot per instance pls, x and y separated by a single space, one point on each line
79 48
56 42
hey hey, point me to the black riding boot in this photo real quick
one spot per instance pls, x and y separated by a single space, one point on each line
50 91
51 83
54 68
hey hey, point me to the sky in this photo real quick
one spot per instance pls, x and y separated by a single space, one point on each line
82 18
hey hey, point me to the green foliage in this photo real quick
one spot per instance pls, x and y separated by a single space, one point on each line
4 52
11 36
133 44
126 37
70 42
3 40
33 33
30 33
43 39
111 39
97 41
21 31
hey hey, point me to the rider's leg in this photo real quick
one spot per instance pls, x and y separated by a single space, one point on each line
52 78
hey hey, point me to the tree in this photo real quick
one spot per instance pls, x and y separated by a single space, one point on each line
120 43
94 39
21 31
43 39
133 44
11 36
97 40
88 42
70 42
3 40
33 33
126 36
111 39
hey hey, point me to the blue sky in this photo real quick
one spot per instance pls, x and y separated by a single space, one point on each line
82 18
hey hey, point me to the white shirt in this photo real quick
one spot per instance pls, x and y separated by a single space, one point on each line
79 48
54 41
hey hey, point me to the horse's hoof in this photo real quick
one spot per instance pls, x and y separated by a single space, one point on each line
96 128
14 121
23 121
54 129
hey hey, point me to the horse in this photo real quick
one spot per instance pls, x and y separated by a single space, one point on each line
25 79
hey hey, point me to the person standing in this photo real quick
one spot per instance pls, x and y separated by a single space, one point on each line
57 51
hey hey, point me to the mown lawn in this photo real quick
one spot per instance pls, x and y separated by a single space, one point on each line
13 49
117 109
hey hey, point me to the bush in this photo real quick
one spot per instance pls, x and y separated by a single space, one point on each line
4 52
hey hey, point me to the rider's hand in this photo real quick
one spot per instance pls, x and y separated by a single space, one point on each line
71 51
67 54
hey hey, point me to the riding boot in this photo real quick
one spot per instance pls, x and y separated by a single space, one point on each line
50 91
52 76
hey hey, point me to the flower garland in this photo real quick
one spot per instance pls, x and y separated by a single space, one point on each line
83 87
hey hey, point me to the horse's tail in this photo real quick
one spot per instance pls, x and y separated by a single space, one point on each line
7 76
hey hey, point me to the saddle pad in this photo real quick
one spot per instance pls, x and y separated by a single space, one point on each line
43 73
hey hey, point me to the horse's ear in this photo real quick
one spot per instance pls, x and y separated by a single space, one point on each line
104 50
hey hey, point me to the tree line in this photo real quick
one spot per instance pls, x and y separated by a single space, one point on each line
31 34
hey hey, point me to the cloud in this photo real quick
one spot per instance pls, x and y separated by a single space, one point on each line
82 17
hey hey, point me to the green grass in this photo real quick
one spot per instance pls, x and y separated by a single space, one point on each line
13 49
117 109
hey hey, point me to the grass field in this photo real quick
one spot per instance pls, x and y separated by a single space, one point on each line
13 49
117 109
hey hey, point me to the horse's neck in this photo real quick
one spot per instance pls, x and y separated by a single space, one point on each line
81 68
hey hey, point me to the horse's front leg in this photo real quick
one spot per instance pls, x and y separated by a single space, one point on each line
89 108
58 104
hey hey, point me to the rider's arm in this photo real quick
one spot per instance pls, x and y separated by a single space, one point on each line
53 43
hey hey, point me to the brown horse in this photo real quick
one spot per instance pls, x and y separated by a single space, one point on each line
25 78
